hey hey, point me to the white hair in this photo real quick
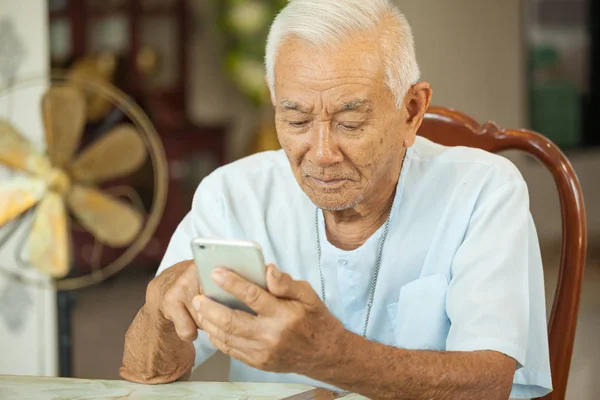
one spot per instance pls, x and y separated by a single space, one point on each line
323 23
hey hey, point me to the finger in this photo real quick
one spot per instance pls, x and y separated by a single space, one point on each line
253 296
182 292
163 283
184 324
238 342
231 351
189 286
191 278
193 311
284 286
232 322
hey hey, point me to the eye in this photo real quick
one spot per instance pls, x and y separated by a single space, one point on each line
349 126
298 124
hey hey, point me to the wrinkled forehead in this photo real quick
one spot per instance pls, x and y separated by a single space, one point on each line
355 60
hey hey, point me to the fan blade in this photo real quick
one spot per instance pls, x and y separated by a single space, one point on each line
18 195
63 109
49 243
112 221
17 152
118 153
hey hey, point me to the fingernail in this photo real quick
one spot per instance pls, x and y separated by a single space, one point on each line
218 276
196 303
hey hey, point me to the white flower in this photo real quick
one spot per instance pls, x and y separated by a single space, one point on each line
250 75
248 17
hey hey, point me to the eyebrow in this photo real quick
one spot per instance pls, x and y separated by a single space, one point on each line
294 106
351 105
354 105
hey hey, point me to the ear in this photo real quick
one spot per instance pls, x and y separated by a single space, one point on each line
271 95
416 103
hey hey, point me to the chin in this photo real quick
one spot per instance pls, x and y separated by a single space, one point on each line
331 200
337 207
332 204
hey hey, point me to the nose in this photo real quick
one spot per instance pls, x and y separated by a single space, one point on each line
324 147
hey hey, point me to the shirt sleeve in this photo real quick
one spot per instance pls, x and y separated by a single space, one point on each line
496 300
204 219
488 295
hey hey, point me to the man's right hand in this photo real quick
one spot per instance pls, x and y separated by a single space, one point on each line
170 296
158 344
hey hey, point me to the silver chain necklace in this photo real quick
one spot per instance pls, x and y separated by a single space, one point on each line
377 266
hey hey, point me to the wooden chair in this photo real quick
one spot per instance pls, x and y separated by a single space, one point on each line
451 128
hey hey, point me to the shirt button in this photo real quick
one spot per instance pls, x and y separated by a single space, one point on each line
343 262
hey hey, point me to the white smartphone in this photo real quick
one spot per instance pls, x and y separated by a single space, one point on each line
244 257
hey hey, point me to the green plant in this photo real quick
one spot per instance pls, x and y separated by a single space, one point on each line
245 26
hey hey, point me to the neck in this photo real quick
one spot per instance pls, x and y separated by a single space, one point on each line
351 228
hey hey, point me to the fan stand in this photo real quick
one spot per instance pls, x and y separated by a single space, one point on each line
64 304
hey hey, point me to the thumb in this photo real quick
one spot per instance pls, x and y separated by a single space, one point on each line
282 285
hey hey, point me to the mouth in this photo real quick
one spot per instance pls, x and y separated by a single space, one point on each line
328 183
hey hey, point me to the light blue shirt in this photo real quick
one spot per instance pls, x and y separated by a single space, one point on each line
461 268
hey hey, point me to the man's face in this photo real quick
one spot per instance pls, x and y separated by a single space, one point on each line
337 121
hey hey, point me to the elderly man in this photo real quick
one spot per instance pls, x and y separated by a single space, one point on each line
398 268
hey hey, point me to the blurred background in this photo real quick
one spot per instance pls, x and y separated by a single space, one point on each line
195 68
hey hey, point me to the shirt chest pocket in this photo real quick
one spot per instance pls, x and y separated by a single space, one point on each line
419 317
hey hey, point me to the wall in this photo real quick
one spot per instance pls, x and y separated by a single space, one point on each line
27 314
470 51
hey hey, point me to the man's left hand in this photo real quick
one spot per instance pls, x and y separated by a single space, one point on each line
293 330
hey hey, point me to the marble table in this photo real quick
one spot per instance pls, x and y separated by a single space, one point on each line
45 388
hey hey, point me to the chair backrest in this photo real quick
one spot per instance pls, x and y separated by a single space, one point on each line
451 128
